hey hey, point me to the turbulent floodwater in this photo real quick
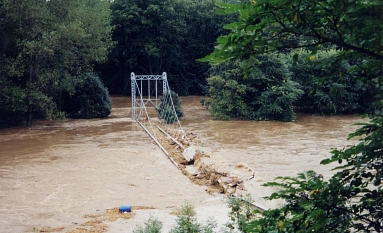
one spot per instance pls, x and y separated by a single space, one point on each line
54 173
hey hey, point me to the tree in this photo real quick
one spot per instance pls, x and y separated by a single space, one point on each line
351 200
33 48
265 26
267 91
156 36
90 100
48 45
329 90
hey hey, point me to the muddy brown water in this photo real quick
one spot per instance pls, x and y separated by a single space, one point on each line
54 173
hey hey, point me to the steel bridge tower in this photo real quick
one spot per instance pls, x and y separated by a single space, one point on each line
150 85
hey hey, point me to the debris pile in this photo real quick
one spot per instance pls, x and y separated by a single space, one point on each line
196 169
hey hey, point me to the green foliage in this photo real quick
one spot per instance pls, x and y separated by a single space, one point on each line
328 89
277 102
339 82
155 36
186 222
166 110
205 102
227 98
241 212
264 26
45 45
265 93
152 225
351 200
90 100
202 101
362 175
167 114
12 105
312 205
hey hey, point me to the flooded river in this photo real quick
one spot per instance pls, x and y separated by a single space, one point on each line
54 173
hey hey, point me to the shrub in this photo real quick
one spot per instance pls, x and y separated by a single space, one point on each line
202 101
12 105
152 225
186 222
167 114
329 87
227 99
276 103
257 89
241 213
90 100
166 111
205 102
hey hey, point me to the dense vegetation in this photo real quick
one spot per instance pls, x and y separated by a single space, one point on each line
342 80
90 99
276 88
275 58
156 36
266 93
46 48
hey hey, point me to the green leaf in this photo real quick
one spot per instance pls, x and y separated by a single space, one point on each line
295 57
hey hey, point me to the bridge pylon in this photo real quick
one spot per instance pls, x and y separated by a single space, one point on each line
145 87
165 124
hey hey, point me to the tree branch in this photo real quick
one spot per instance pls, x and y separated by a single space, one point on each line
371 222
342 44
300 46
355 48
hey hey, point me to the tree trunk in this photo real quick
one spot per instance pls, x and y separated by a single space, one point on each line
30 106
29 115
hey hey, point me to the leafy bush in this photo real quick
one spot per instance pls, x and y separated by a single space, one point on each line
205 102
90 100
329 85
202 101
257 89
272 87
12 104
186 222
227 98
241 213
152 225
276 103
166 111
167 114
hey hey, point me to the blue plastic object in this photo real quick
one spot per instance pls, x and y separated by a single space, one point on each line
125 208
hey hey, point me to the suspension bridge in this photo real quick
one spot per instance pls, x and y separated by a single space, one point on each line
154 109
